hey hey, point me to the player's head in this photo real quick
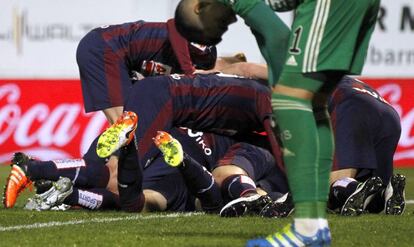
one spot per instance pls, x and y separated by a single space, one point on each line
203 21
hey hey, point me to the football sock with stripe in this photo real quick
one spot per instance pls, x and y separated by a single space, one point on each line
94 199
236 186
340 190
201 184
80 171
326 149
299 136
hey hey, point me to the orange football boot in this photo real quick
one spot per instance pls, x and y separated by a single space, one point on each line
17 180
170 147
117 135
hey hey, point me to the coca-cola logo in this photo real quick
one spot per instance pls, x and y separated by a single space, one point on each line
393 93
48 128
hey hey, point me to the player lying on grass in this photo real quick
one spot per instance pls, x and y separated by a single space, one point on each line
93 182
366 130
164 189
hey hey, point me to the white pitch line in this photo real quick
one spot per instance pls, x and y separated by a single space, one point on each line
409 201
94 220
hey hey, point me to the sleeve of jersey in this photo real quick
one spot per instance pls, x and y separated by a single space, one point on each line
180 48
272 36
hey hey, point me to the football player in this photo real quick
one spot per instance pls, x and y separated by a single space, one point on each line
109 56
367 130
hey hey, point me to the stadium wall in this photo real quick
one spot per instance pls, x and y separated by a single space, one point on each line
41 109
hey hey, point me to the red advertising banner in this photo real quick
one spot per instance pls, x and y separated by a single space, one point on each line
46 119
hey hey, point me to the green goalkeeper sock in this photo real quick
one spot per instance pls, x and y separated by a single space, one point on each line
299 135
326 149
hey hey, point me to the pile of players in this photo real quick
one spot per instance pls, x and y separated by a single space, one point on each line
192 132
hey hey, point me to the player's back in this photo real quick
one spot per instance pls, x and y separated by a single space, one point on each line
221 100
139 41
353 89
359 106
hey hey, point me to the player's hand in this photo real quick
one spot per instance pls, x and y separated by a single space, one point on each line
282 5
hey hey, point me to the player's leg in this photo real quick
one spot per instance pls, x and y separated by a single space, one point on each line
199 181
240 190
104 76
350 197
392 196
130 176
62 194
301 149
113 113
154 114
356 123
117 135
87 172
94 199
237 172
275 184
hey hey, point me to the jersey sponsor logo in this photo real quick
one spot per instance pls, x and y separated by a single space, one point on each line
198 137
69 163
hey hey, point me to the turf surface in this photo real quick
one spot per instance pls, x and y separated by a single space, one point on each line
87 228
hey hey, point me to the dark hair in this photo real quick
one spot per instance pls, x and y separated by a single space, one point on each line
189 31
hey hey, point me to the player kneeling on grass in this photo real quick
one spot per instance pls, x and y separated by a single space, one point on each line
366 129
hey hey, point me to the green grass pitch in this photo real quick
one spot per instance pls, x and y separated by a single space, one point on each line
87 228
